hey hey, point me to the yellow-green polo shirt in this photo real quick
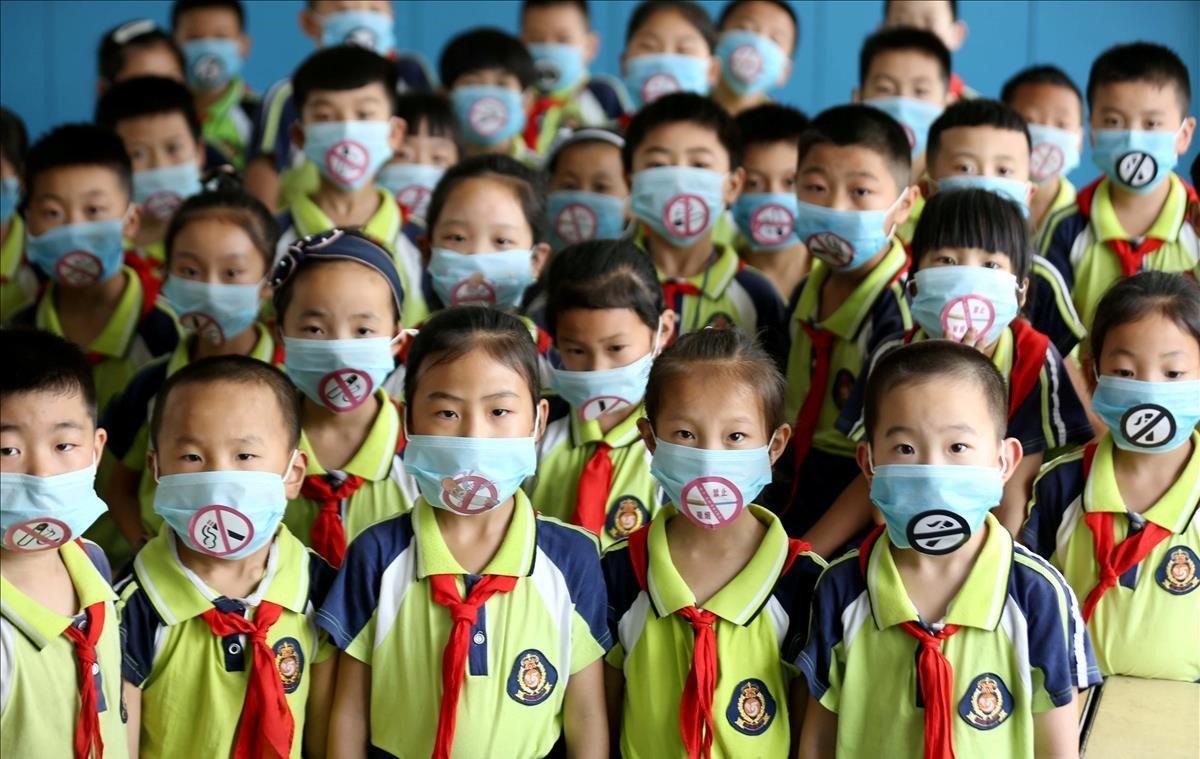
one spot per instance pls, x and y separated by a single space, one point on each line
524 645
1147 624
1022 649
563 452
1065 196
760 612
387 492
18 282
193 683
39 674
226 126
875 310
906 230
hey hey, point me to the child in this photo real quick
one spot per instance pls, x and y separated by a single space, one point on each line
758 41
765 212
224 576
558 35
78 210
683 156
854 190
605 310
938 621
339 300
430 146
348 129
219 249
490 76
212 36
668 48
58 618
589 196
1119 517
1052 106
1134 216
526 622
18 282
698 577
137 48
157 121
939 17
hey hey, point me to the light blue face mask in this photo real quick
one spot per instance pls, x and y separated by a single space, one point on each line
497 279
951 300
767 220
41 513
487 115
212 62
679 202
1009 189
228 514
935 508
214 311
1147 417
750 63
1055 152
161 191
845 240
1136 160
916 116
79 255
578 216
369 29
10 196
559 67
711 487
340 375
470 475
649 77
412 184
348 153
606 391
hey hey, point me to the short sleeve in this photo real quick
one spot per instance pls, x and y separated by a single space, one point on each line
1050 308
822 660
1057 486
576 555
1067 419
139 627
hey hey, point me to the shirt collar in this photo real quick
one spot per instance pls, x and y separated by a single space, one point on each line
114 339
1064 197
978 602
1165 227
514 558
373 459
37 623
848 318
220 108
10 252
625 433
1173 511
263 350
383 226
722 267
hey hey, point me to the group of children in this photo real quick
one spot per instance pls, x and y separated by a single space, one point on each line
573 416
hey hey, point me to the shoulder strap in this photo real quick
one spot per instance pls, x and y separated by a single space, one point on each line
1029 355
796 546
639 558
151 284
864 550
1089 453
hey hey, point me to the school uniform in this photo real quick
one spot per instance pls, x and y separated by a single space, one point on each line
195 669
228 122
18 279
1012 637
1088 246
599 481
304 218
740 638
1145 623
334 506
1064 196
540 619
599 102
41 692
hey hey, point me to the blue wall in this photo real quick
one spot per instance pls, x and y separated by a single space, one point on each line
48 62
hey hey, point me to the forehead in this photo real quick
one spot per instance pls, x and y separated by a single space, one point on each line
932 402
336 6
78 180
588 155
372 91
768 14
473 373
936 10
681 135
703 390
557 14
781 155
149 125
37 407
906 63
666 22
1138 96
339 279
494 193
1045 94
985 138
219 410
1153 333
845 158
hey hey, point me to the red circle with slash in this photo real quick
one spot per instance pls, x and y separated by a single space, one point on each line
220 530
37 535
345 389
79 268
965 313
346 161
469 494
713 501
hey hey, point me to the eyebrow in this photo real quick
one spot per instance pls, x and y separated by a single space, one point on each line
955 427
312 312
68 425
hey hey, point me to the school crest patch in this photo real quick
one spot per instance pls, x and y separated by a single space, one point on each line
627 517
1177 573
532 679
752 708
987 702
289 663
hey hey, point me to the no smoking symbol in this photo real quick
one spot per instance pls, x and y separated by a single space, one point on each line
830 248
414 198
595 408
469 494
473 290
1045 161
79 268
161 205
361 36
220 530
713 501
657 85
203 325
208 69
548 74
37 535
937 532
487 115
686 215
965 313
745 63
771 225
575 223
346 161
1148 425
1137 169
345 389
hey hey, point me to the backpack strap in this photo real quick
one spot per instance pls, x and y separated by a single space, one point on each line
1029 355
639 557
864 550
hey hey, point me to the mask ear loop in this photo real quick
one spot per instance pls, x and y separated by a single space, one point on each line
871 459
291 461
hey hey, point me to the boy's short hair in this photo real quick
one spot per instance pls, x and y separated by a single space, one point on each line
692 12
39 361
79 145
487 48
887 6
1140 62
603 274
786 7
241 370
1044 74
343 67
147 96
973 218
928 361
14 139
434 110
865 127
180 7
529 185
139 33
579 5
977 112
770 123
904 38
1171 294
683 108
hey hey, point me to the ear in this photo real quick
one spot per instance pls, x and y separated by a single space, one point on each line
296 130
396 135
543 407
591 46
647 431
666 328
734 185
98 441
293 478
1184 140
779 441
905 206
310 24
786 73
133 223
714 70
1030 191
402 341
1022 294
927 186
1012 451
541 253
862 455
244 45
959 31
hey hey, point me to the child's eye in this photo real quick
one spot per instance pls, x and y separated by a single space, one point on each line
813 188
1173 374
246 457
737 437
311 329
9 450
233 273
1123 372
945 261
446 414
65 447
684 435
616 348
504 242
862 192
501 412
964 168
991 265
700 164
904 449
191 458
789 184
959 447
365 331
94 210
189 271
655 164
454 237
